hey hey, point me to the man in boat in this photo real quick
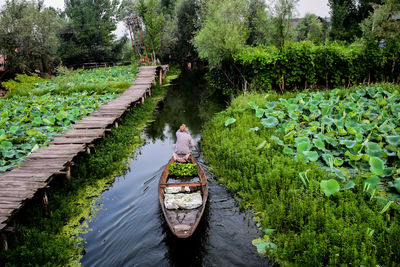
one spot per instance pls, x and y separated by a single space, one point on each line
184 144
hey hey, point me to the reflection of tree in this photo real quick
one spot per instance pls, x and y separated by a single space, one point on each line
188 101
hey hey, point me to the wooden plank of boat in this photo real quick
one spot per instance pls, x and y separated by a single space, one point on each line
186 228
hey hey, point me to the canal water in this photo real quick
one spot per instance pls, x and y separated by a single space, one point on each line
129 229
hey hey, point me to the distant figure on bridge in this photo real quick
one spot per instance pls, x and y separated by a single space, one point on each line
184 145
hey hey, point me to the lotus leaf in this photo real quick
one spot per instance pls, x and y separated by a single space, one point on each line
262 245
311 155
349 185
319 143
352 156
269 231
259 113
269 122
393 140
230 121
374 181
327 120
302 147
261 145
339 173
277 140
338 162
395 110
373 149
288 150
397 184
270 105
359 138
6 145
290 126
8 153
348 143
376 165
330 187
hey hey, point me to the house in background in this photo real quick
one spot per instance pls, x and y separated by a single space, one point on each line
2 63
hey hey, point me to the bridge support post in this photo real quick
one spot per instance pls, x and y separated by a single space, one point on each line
3 241
45 201
161 76
68 173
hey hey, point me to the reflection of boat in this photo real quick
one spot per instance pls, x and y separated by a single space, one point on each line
183 223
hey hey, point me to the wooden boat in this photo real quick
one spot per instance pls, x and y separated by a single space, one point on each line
183 223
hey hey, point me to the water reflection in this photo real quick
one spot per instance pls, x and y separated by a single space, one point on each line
130 229
190 101
189 251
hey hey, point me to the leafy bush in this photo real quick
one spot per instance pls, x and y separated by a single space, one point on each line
304 64
182 169
300 223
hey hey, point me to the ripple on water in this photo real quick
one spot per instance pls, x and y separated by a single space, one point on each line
129 229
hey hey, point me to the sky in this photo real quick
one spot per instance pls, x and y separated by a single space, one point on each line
318 7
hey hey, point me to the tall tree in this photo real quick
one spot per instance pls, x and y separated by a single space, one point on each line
88 36
186 14
28 36
346 15
283 12
311 28
154 21
224 32
258 23
382 29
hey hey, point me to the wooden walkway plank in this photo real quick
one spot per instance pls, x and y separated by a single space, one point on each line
65 140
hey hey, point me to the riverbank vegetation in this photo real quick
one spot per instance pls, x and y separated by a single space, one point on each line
322 181
53 238
36 110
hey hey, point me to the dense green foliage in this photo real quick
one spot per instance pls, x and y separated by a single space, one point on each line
28 36
87 35
52 239
182 169
346 16
304 64
358 133
30 122
312 28
36 109
103 80
304 220
222 35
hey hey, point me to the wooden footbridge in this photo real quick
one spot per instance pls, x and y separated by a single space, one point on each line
33 176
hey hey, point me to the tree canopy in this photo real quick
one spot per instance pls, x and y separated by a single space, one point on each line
28 36
87 33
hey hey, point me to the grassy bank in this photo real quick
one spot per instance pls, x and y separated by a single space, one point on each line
51 239
304 222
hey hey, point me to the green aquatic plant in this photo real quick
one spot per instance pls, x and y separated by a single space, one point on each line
182 169
271 171
358 132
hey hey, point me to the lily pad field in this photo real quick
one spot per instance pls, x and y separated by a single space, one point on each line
37 109
320 170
